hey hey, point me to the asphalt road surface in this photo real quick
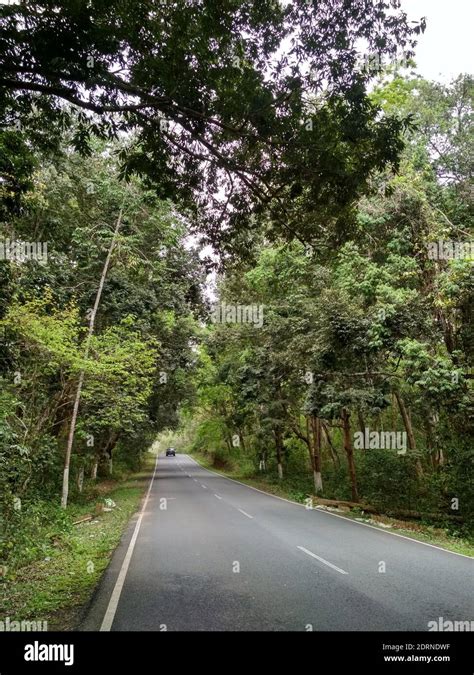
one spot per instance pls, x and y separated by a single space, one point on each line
207 553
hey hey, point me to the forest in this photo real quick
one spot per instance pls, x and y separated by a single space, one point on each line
264 260
356 381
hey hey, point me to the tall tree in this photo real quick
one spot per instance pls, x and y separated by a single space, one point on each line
219 105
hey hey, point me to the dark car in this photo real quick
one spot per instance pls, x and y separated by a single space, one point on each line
171 452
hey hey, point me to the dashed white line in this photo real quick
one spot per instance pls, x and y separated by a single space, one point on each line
218 496
326 562
332 515
245 514
204 486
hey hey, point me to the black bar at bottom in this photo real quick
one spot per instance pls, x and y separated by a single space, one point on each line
69 652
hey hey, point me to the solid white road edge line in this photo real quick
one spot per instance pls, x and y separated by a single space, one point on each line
326 562
115 597
334 515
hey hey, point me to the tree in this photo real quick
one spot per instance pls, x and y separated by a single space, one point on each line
90 333
153 282
175 75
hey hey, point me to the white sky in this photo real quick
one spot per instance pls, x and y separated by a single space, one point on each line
446 49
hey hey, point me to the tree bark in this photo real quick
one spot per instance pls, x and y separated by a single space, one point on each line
307 440
228 441
111 443
409 430
279 452
77 399
346 428
332 449
316 431
432 441
95 466
80 479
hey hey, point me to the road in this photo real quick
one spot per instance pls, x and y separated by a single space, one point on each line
210 554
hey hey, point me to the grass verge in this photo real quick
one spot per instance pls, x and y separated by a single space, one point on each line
56 587
420 531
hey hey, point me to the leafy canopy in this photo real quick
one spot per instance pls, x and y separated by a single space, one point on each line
239 102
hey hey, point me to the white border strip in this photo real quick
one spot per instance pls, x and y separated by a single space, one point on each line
335 515
115 597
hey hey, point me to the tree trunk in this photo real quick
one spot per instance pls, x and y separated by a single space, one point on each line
432 441
72 428
409 430
307 440
318 481
316 430
228 441
95 466
448 331
279 452
332 449
394 412
346 428
80 479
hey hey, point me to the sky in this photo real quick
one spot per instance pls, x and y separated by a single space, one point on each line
447 46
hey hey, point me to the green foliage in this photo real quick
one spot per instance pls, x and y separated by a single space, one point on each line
139 354
172 124
373 333
207 106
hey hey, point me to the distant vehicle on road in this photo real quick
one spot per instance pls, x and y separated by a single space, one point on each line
170 452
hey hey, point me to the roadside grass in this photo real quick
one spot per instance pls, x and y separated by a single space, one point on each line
56 587
418 530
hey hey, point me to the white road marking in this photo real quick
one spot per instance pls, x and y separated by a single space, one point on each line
115 597
218 497
204 486
332 515
195 480
245 514
326 562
